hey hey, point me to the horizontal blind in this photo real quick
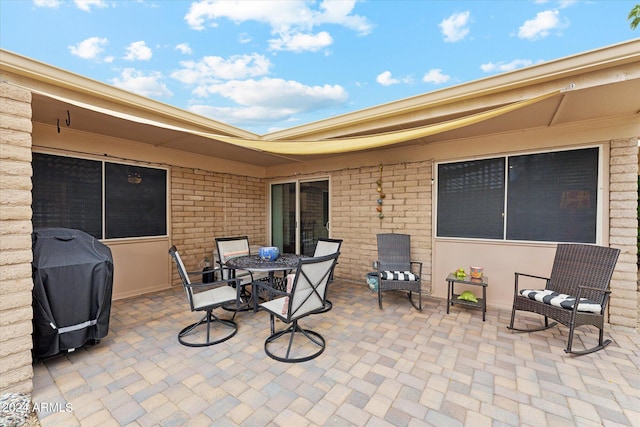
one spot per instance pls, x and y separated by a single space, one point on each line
471 199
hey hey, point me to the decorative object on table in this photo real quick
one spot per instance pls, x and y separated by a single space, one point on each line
460 273
467 296
269 253
381 195
476 272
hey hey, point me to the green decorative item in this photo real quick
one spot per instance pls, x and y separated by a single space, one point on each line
468 296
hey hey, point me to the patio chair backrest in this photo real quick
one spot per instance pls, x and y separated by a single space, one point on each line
231 247
394 252
182 272
578 265
327 246
309 288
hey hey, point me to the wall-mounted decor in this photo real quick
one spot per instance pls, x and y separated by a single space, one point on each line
381 195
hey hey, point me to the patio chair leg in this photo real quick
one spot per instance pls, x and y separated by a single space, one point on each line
602 343
380 299
209 319
312 336
547 325
419 306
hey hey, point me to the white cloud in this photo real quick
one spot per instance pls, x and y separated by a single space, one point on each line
46 3
491 67
138 51
184 48
435 76
89 48
301 42
149 85
292 22
244 38
212 68
455 27
566 3
386 79
86 5
269 99
279 93
540 26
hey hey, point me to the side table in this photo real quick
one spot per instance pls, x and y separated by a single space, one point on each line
452 297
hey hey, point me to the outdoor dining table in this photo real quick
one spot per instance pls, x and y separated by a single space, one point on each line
254 263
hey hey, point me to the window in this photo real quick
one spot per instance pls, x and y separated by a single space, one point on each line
539 197
68 192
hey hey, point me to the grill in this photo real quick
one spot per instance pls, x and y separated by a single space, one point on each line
72 286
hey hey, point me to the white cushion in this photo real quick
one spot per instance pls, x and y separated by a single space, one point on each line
213 296
561 300
399 275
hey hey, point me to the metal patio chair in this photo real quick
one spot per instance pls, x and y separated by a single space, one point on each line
306 295
231 247
205 297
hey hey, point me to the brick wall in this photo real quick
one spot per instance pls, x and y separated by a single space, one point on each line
206 205
16 371
406 208
624 307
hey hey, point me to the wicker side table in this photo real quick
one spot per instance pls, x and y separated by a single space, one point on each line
452 297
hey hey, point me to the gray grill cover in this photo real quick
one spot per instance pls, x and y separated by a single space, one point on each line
72 285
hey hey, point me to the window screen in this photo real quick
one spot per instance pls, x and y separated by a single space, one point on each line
553 196
549 197
471 199
135 200
67 192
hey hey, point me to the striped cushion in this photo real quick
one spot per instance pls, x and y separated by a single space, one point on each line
561 300
398 275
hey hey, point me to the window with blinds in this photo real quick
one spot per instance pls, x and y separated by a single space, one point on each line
538 197
68 192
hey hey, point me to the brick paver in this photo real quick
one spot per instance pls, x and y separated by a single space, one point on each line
393 367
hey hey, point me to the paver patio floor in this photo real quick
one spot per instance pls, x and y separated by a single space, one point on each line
390 367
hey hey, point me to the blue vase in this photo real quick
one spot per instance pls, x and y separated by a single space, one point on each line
269 253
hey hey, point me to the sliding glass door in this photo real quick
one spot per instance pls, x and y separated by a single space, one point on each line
299 215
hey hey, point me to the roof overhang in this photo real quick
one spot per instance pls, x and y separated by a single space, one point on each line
591 85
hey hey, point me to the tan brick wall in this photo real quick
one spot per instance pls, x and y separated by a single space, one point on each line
624 308
16 371
406 208
206 205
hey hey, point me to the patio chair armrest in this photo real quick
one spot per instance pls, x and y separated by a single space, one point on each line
590 288
533 276
419 266
200 272
214 284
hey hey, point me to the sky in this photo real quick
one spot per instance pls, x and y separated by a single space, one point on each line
263 65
